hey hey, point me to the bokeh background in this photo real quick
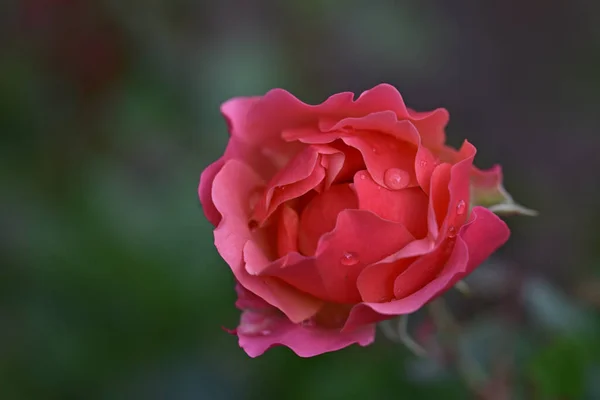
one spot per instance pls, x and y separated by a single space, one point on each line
110 287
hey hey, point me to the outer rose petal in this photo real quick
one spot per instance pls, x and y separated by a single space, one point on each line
233 235
486 186
279 110
304 341
263 326
476 240
483 236
205 191
235 111
430 124
458 189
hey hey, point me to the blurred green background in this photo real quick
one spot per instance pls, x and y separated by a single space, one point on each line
110 287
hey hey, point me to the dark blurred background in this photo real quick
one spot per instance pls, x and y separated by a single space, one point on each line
110 287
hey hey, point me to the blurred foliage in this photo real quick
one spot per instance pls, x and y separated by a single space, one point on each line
110 285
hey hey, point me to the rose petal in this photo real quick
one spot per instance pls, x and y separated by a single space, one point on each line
344 252
476 241
233 233
376 282
439 196
353 162
483 235
458 189
304 341
262 327
381 121
424 270
425 163
320 215
407 206
431 126
265 157
366 313
287 233
299 271
383 154
235 111
204 191
302 174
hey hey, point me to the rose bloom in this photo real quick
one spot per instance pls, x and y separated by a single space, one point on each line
336 216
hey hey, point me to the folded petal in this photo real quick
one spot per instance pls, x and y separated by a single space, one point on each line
366 313
320 214
483 235
233 234
344 252
287 231
258 333
235 111
390 162
205 192
302 174
476 240
458 190
407 206
439 197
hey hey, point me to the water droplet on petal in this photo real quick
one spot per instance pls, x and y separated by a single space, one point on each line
451 231
349 259
395 178
265 332
363 176
374 150
423 163
460 207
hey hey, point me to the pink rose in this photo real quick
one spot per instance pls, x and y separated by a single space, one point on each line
337 216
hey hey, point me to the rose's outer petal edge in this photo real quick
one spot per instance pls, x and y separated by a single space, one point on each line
305 341
476 241
232 235
205 191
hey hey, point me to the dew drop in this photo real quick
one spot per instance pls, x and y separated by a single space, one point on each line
460 207
423 163
265 332
451 231
374 149
395 178
349 259
363 176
